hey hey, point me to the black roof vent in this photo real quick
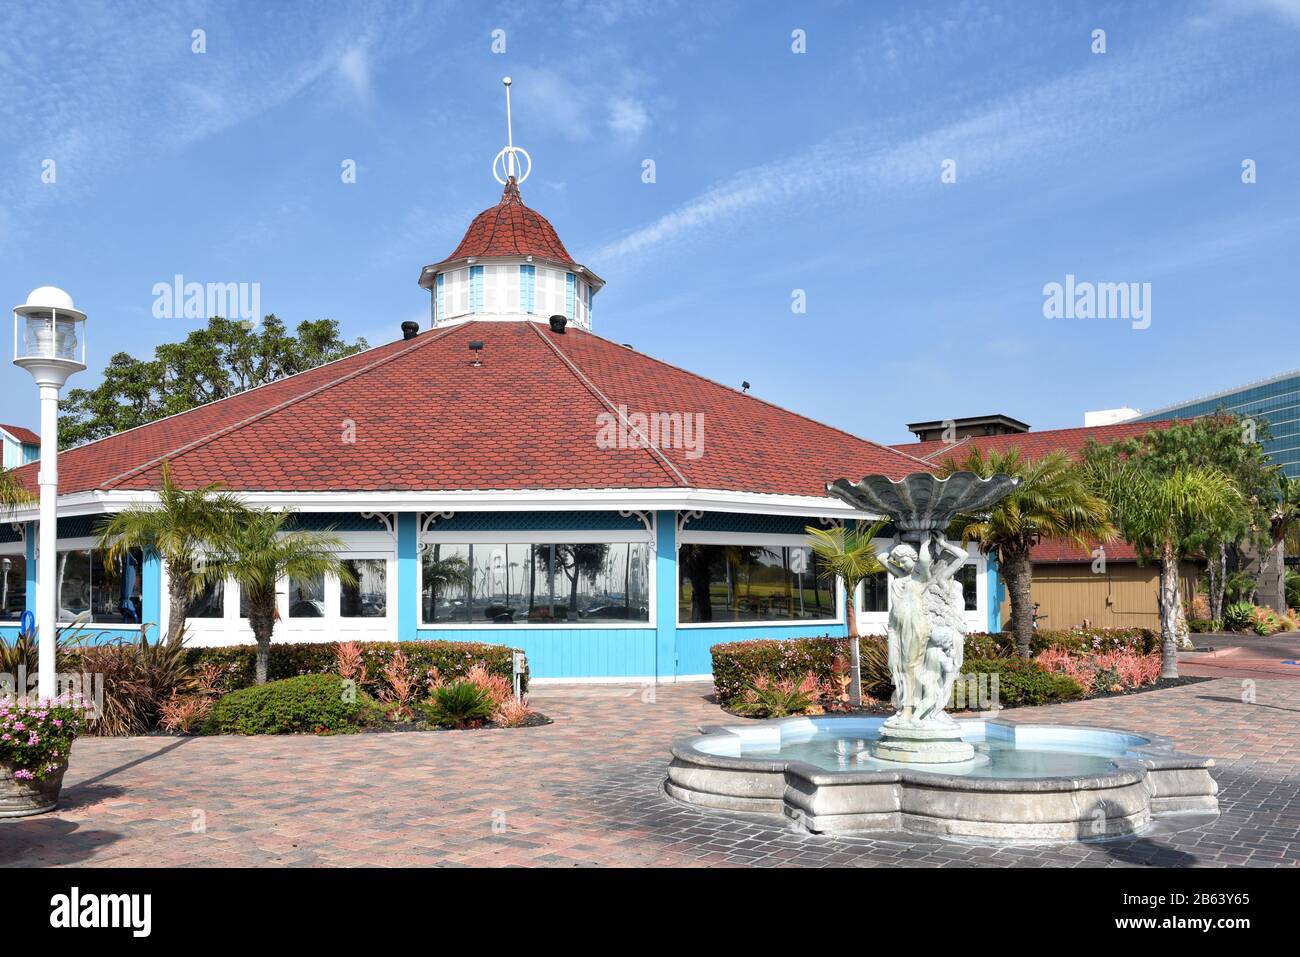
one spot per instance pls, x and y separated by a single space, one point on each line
476 347
410 329
558 323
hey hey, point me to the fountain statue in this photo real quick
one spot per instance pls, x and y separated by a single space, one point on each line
927 626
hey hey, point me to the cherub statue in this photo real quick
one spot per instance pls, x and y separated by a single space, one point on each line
909 628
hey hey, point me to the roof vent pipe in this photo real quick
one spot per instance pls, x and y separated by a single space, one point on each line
410 329
558 323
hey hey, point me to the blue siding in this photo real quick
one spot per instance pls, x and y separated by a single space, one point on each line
571 652
151 592
667 651
994 597
407 575
536 522
693 644
31 566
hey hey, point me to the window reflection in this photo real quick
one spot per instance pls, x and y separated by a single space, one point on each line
368 598
13 587
722 583
307 597
528 583
106 592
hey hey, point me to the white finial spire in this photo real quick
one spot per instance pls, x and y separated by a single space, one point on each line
508 158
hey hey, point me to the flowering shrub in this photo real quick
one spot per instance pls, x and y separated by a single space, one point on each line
1139 640
36 738
1118 670
766 698
448 659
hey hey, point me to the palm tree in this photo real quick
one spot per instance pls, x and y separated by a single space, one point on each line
179 528
1283 530
848 553
1155 512
1053 500
257 552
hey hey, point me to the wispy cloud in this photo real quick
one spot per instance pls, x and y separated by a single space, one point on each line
628 117
1034 127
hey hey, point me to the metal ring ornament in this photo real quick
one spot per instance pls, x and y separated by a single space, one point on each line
501 159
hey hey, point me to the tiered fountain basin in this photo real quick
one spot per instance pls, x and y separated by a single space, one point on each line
1046 783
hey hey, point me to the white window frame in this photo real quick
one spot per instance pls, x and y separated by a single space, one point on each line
231 629
578 537
749 538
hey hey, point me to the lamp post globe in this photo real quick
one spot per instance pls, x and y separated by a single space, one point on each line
50 343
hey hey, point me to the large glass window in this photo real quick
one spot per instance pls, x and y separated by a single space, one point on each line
13 587
368 598
724 583
107 592
528 583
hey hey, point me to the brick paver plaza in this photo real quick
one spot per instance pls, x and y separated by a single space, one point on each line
586 790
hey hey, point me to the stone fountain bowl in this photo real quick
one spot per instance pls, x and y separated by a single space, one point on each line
1055 783
923 502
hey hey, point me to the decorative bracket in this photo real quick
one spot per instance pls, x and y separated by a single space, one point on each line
389 520
647 518
830 522
685 516
427 522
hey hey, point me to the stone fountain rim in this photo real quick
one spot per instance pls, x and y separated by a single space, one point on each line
1156 754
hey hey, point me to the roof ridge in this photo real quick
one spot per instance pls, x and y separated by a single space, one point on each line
654 451
773 405
419 342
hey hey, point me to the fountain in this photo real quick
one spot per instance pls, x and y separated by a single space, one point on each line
920 770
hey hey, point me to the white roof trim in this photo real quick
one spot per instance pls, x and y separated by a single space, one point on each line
503 500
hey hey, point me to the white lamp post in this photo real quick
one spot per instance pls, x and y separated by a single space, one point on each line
50 343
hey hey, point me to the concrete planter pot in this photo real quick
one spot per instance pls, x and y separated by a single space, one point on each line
20 798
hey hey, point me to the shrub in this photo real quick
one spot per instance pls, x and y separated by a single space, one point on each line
449 659
1108 671
1023 682
1140 640
306 703
1239 616
186 712
1201 626
737 665
36 738
139 677
1293 590
779 699
512 713
399 686
460 704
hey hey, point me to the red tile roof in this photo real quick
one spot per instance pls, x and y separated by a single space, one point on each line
1063 550
26 436
425 419
511 229
1031 444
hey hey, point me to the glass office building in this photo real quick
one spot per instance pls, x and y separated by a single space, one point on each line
1275 400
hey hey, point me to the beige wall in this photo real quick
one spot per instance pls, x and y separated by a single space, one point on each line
1070 594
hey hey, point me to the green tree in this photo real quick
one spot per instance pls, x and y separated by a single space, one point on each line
1232 445
223 359
1053 500
1156 511
257 552
847 553
179 528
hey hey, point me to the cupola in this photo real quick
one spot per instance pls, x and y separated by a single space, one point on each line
511 264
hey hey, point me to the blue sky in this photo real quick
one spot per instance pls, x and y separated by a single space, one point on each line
776 171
